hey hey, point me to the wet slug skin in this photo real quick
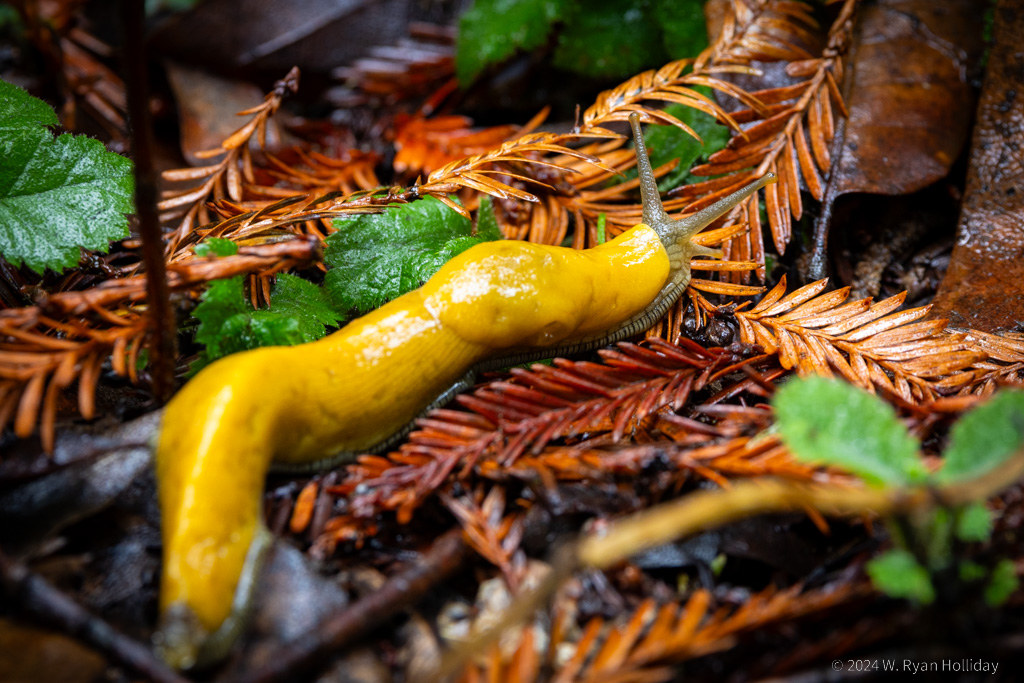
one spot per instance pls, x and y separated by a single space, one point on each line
320 404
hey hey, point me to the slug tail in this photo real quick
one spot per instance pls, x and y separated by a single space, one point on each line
182 641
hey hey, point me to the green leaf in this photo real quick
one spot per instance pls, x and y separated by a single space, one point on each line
10 21
935 538
216 246
21 114
609 39
985 437
825 421
222 300
670 142
299 313
1003 584
493 30
306 303
897 574
973 523
971 571
378 257
486 221
57 195
682 23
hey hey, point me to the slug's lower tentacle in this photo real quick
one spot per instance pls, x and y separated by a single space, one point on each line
496 304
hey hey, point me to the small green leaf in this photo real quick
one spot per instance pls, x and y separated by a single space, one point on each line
299 313
222 300
671 142
10 21
973 523
609 39
154 6
936 538
486 222
971 571
57 195
21 114
1002 584
897 574
602 226
985 437
831 422
682 23
493 30
306 303
216 246
378 257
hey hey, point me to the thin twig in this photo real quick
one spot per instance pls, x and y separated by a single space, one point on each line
163 339
34 597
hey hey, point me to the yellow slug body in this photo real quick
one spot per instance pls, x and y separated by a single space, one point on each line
352 390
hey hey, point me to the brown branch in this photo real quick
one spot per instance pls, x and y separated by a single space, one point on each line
163 339
33 596
264 259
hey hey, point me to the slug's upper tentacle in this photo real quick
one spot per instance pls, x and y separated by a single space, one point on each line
677 234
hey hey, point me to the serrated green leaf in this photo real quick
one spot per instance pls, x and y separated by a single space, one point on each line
670 142
897 574
609 39
222 300
1003 583
306 303
493 30
985 437
826 421
682 23
20 113
216 246
486 222
57 195
973 523
375 258
299 313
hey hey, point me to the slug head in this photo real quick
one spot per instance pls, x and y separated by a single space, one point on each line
677 235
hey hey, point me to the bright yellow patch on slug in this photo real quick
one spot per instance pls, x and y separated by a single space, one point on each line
354 388
516 294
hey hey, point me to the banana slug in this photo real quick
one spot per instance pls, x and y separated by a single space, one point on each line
319 404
